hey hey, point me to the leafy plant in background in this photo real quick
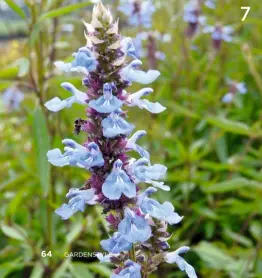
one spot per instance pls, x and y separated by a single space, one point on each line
25 241
139 242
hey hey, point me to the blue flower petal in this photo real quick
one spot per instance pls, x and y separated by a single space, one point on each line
149 174
84 62
118 183
131 144
56 104
160 185
104 258
106 103
134 228
65 211
76 155
241 87
227 98
135 100
56 158
128 47
115 125
116 244
170 216
131 270
155 209
150 206
77 202
138 13
173 257
132 74
12 98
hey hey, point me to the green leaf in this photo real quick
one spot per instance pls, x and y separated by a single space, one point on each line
16 201
100 269
80 270
221 148
64 10
215 257
74 233
16 8
230 126
38 271
13 182
42 145
7 268
234 184
12 232
9 73
238 238
60 271
256 230
34 36
178 109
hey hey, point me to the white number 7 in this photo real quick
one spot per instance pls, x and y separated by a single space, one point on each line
246 13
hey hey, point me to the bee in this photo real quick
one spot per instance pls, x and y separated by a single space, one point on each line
78 125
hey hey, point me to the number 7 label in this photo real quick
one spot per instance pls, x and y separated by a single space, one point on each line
246 13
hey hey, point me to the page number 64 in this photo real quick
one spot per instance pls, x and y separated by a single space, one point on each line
246 13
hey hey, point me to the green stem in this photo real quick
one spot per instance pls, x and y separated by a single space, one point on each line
132 254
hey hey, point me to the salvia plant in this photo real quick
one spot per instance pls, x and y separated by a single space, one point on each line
138 243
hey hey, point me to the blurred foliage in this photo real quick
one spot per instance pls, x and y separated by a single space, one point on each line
213 150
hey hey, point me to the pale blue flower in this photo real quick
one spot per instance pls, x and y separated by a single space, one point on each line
148 205
56 104
171 217
135 100
131 270
115 125
144 36
132 145
210 4
118 183
116 244
235 87
134 228
149 174
241 87
128 47
12 97
173 257
106 103
192 11
219 32
104 258
138 43
84 62
227 98
155 209
160 55
139 13
77 202
132 74
76 155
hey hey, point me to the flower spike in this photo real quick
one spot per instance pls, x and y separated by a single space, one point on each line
138 223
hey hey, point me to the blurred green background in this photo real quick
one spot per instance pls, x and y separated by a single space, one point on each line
213 150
